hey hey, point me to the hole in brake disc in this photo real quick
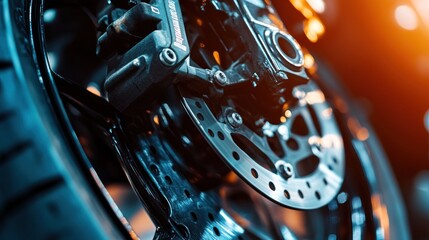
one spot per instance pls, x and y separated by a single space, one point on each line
299 126
275 146
307 165
257 155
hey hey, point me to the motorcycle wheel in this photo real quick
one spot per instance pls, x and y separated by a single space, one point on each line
52 187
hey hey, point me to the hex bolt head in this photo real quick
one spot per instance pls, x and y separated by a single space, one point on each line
234 120
285 169
168 57
220 77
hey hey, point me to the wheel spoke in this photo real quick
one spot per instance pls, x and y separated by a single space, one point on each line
303 150
305 113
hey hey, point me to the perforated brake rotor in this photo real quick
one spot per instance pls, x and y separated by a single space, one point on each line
282 183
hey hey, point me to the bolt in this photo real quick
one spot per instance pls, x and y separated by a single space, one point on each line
315 143
125 71
220 77
255 79
136 62
282 75
285 169
234 119
168 57
260 122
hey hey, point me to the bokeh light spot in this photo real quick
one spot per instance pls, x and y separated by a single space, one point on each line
406 17
317 5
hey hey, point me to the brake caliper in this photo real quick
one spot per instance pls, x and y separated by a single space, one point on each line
242 81
145 47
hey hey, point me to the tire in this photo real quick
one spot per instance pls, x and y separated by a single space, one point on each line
44 194
46 189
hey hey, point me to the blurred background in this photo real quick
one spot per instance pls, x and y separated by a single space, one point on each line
380 51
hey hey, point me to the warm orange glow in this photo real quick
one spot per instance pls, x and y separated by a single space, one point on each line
231 177
295 220
313 26
139 220
282 119
298 4
94 90
380 211
307 13
314 97
358 131
285 106
309 62
156 119
362 134
142 224
313 29
317 5
303 7
216 57
406 17
422 8
199 22
133 235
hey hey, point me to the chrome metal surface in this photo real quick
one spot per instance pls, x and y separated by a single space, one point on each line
308 189
299 163
269 36
220 78
287 48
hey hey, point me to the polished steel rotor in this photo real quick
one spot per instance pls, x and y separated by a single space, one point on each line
298 164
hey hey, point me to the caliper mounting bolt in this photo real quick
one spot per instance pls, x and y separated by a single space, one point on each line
220 78
234 120
282 75
168 57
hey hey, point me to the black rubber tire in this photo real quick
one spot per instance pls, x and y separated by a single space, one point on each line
43 192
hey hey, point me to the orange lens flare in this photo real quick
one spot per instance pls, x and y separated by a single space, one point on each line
313 29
